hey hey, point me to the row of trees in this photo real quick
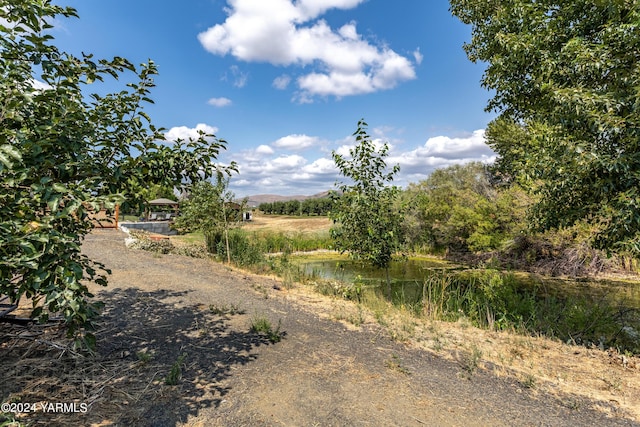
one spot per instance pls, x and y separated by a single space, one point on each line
320 206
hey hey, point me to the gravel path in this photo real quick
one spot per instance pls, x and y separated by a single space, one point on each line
321 373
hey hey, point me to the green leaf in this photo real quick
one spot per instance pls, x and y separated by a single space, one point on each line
65 149
60 188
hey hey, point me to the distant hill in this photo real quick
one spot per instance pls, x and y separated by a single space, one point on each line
254 201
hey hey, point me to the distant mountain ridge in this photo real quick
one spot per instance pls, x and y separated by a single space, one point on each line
257 199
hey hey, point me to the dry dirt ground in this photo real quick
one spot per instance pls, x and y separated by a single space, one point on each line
173 317
311 224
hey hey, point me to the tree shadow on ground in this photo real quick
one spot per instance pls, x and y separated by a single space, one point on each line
156 363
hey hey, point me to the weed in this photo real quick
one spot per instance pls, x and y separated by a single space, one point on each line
516 352
380 318
262 325
398 336
144 356
613 384
470 361
243 251
8 419
572 404
226 310
395 364
261 289
437 343
356 318
289 273
409 327
529 381
176 371
273 241
192 250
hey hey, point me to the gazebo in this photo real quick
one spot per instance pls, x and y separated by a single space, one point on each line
162 210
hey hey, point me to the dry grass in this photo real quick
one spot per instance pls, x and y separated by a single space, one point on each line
540 364
288 224
544 364
126 374
138 374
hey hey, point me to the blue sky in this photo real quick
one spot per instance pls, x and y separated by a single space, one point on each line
285 82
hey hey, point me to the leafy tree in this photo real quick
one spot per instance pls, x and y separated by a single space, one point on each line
318 207
266 208
565 77
292 207
210 209
458 208
65 151
367 222
146 193
157 191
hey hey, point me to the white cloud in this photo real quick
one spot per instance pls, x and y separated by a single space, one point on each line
37 84
296 142
284 174
184 133
240 182
442 151
455 147
219 102
236 76
349 31
288 163
281 82
282 32
322 166
264 149
344 150
295 174
418 56
381 131
314 8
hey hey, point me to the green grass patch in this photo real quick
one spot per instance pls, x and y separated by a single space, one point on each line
175 374
497 300
190 238
261 325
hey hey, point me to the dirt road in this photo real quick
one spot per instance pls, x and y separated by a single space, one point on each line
164 312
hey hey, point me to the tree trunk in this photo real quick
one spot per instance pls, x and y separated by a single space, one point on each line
226 238
388 284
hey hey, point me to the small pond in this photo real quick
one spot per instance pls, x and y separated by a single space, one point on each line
345 269
407 277
588 311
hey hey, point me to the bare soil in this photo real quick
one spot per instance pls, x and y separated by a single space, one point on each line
168 311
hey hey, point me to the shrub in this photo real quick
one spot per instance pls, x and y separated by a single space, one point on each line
143 241
243 252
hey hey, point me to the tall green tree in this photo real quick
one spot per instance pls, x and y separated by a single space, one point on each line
459 208
367 222
565 77
66 150
210 209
